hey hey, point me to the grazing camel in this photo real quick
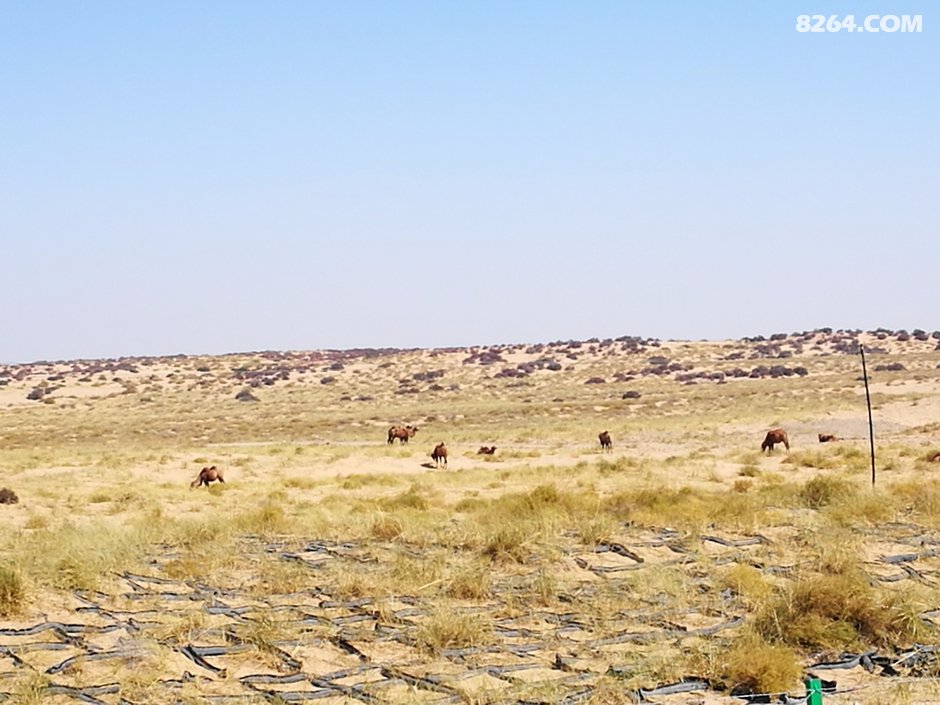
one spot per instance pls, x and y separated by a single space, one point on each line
774 436
606 445
486 450
828 438
439 455
207 475
402 433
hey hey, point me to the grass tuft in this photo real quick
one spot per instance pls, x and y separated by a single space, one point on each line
823 490
835 611
754 666
386 528
12 593
451 629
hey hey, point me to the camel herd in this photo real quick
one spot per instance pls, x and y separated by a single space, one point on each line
775 436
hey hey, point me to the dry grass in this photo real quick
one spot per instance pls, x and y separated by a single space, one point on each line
755 666
104 487
12 592
836 611
447 628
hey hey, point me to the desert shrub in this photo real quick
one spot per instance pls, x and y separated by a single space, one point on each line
359 480
471 583
747 582
840 457
11 591
536 509
410 572
278 577
823 490
754 666
541 496
30 688
299 483
607 467
592 529
834 611
862 507
189 533
687 508
508 543
470 504
386 528
269 518
920 497
543 587
450 629
80 557
99 496
818 459
413 498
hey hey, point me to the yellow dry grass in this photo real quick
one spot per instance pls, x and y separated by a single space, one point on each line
653 537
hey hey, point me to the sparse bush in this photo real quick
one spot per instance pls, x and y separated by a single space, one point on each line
79 557
747 582
299 483
754 666
29 689
11 591
507 543
269 518
821 491
835 611
921 497
451 629
386 528
608 467
413 498
471 583
593 529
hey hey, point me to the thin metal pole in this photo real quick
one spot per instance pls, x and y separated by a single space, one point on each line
871 428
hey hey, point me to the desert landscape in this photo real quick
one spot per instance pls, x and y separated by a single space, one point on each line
340 563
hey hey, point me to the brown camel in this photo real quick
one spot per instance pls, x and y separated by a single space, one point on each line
439 455
207 475
774 436
402 433
604 438
486 450
828 438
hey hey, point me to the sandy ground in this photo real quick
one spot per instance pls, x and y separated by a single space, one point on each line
711 459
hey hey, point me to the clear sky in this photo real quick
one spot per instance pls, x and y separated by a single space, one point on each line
221 176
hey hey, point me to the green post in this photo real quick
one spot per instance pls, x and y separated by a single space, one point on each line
813 691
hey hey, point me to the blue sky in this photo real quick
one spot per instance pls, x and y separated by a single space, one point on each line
214 177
